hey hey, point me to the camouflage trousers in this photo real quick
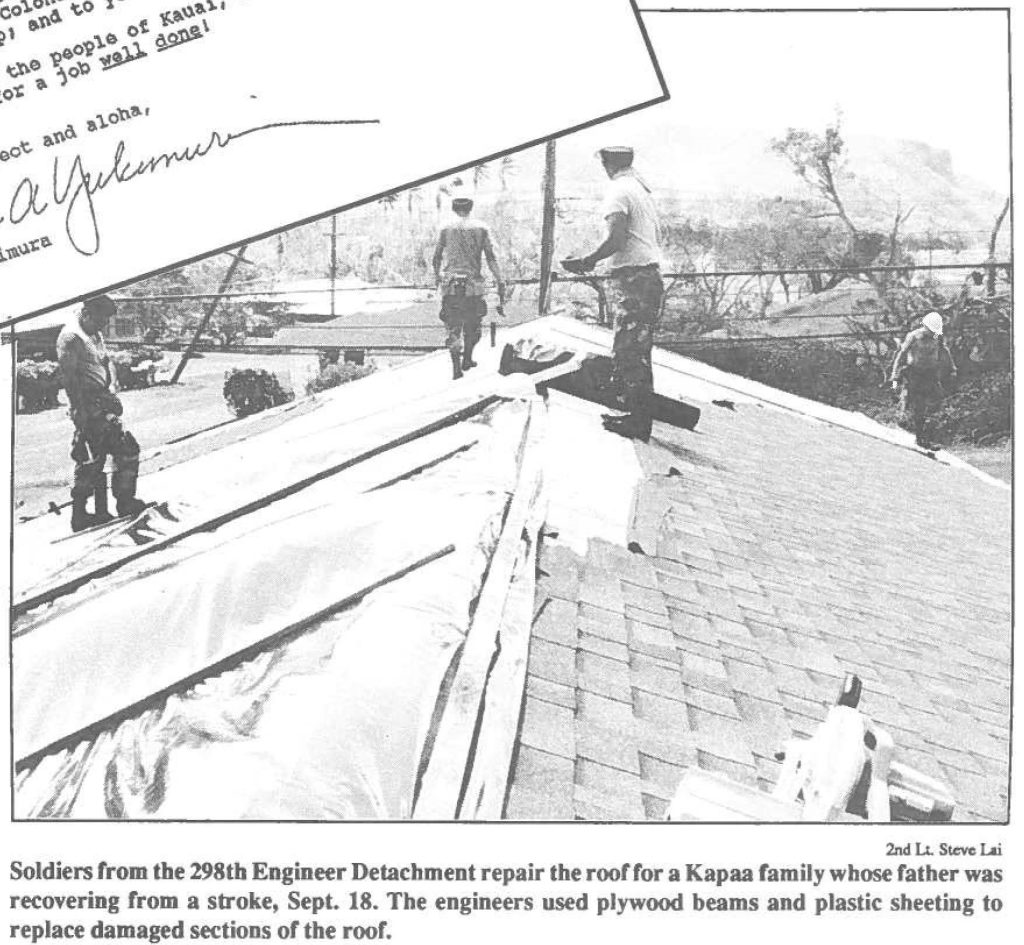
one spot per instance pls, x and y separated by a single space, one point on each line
920 393
462 315
634 298
95 439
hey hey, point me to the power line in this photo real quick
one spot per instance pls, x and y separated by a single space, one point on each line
764 339
569 279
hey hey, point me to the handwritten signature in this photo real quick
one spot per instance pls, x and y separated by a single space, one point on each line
73 187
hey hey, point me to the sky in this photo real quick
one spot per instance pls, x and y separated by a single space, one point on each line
937 77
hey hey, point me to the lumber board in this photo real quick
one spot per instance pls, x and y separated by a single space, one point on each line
710 797
51 593
448 768
495 390
491 771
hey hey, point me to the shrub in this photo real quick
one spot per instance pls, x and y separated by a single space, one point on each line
136 367
248 391
37 385
819 372
981 410
334 375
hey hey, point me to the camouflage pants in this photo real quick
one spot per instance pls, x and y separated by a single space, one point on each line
634 298
920 392
462 315
95 439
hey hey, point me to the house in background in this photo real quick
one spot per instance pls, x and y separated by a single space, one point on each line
124 328
37 338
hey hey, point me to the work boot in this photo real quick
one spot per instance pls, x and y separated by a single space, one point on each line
632 426
80 519
101 515
467 359
130 506
456 365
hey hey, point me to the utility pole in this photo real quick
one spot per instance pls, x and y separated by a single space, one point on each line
334 261
991 287
236 260
547 231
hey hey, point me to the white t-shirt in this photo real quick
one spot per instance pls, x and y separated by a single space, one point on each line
628 196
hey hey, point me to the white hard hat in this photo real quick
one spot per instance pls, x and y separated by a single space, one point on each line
933 322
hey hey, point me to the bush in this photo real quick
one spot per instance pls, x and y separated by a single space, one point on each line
248 391
334 375
980 411
136 368
816 371
37 385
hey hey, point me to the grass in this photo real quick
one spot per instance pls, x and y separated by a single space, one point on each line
996 459
155 416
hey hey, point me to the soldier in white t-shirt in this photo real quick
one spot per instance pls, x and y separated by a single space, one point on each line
461 247
632 248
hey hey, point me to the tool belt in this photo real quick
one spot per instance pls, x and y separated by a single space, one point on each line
634 270
458 287
98 402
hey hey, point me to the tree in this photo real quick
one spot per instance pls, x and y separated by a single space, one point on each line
820 161
480 173
506 169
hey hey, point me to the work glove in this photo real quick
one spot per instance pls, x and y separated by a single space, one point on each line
578 265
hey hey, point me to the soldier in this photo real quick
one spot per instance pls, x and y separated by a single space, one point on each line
917 373
96 414
458 273
632 247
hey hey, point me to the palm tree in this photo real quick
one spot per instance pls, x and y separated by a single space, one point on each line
506 169
480 172
413 196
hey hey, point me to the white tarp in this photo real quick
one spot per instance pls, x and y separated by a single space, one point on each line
330 724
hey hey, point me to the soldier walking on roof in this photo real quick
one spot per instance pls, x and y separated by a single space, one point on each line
457 268
632 248
96 413
917 372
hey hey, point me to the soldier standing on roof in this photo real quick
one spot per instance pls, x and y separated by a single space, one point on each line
96 414
917 373
460 246
632 248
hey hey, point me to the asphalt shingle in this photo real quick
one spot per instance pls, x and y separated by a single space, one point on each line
778 556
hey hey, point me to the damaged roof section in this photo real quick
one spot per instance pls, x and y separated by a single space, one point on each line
591 617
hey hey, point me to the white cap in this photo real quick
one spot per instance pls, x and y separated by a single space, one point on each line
933 322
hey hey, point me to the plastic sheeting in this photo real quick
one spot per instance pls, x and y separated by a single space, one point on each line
345 426
332 723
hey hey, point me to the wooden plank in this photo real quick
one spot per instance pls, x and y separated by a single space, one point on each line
490 776
500 389
447 773
709 797
52 593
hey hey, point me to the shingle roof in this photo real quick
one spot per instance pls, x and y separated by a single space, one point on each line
416 325
699 598
777 555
